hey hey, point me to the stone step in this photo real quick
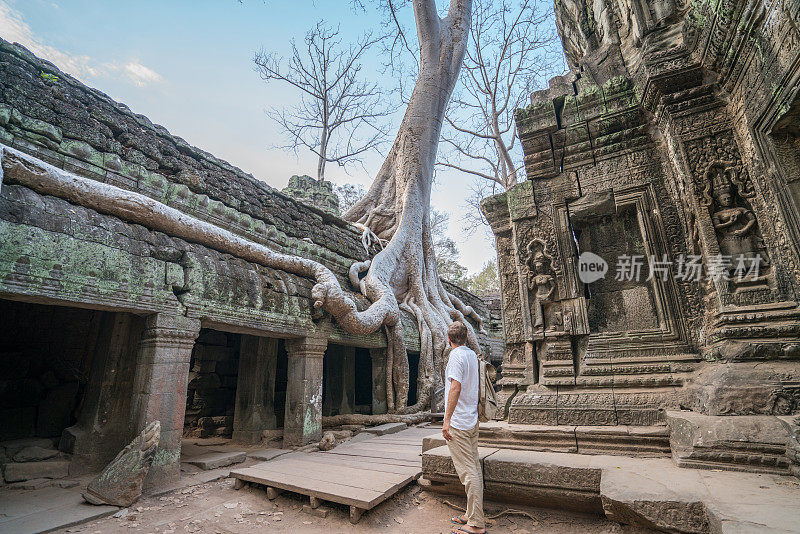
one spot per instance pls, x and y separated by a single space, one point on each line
214 460
647 492
18 472
648 441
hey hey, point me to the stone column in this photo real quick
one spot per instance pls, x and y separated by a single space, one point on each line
159 392
348 374
103 429
255 389
378 381
303 421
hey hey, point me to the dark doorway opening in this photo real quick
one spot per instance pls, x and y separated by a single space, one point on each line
363 381
46 354
211 392
281 380
413 374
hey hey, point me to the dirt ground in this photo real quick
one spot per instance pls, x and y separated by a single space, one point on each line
216 508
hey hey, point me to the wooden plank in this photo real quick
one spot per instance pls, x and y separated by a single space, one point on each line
339 493
386 484
393 449
380 452
363 463
339 474
376 460
385 456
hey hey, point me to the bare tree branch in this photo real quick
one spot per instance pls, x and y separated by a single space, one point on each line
511 51
340 115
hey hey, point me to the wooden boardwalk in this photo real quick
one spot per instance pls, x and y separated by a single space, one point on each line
359 474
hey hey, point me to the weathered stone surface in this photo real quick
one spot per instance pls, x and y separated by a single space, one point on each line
327 442
120 483
742 443
313 192
386 428
35 454
265 455
765 388
646 150
12 447
214 460
16 472
793 444
646 492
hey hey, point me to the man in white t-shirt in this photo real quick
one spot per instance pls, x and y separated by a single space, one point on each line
460 427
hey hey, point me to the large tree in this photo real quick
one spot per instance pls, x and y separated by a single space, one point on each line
340 114
397 208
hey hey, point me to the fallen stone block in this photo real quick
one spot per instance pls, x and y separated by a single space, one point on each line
12 447
36 483
327 442
321 511
545 479
35 454
437 467
386 428
660 499
214 460
433 441
120 483
266 455
17 472
752 443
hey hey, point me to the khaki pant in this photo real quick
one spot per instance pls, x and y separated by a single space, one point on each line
464 452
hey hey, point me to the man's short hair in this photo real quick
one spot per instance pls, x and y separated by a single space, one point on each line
457 333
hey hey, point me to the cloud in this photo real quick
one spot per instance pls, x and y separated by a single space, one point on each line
141 75
13 28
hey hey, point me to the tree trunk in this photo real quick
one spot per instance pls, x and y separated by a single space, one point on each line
397 207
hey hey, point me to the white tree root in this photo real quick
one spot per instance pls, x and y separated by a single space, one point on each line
137 208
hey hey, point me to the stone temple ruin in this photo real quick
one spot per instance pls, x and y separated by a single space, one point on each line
674 139
109 325
668 153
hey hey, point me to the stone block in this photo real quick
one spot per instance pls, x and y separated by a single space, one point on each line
661 499
17 472
35 454
33 484
320 511
433 441
437 465
264 455
386 428
739 443
12 447
214 460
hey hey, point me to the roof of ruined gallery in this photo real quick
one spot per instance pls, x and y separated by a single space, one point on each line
51 115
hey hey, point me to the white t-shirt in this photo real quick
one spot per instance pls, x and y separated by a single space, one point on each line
463 366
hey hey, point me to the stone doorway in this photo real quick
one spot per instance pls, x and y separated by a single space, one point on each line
347 381
236 387
66 389
211 391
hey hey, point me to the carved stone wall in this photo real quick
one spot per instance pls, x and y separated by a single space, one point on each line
672 141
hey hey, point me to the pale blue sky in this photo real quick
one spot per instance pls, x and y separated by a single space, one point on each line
187 64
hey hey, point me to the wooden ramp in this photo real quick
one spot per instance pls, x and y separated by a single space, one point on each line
359 474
